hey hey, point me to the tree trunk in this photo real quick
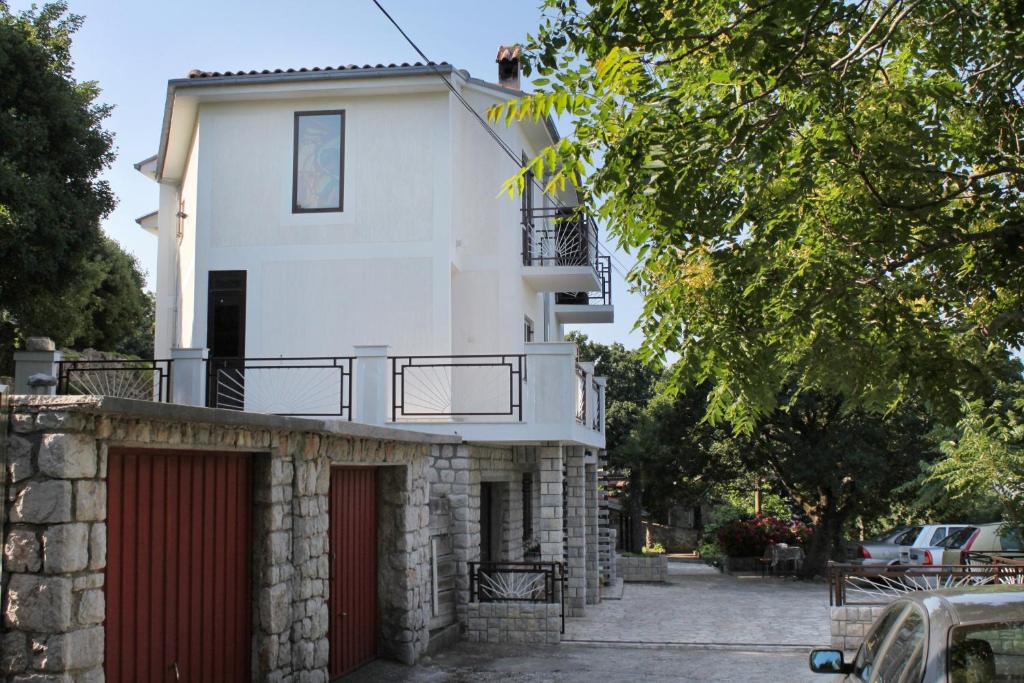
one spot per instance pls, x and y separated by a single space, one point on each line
824 544
635 505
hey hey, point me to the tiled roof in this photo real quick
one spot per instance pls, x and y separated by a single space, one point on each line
198 73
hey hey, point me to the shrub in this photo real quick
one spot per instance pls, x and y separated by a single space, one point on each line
751 537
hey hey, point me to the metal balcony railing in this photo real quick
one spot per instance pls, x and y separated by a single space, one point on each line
555 236
426 387
140 379
603 297
315 386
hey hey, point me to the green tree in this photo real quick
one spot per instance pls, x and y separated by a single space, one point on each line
60 277
822 195
834 464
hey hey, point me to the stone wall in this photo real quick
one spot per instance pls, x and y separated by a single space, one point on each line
652 568
54 537
850 624
513 622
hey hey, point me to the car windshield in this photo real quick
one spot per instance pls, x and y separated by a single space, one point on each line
909 537
987 652
957 538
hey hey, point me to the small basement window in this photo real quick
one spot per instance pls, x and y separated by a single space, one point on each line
319 161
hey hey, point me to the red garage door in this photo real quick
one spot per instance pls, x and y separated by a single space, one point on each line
353 537
177 583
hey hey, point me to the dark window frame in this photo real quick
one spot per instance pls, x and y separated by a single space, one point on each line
295 162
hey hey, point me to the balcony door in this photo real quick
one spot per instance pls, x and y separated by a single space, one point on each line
225 338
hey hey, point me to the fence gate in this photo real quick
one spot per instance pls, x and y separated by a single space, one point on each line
177 584
353 538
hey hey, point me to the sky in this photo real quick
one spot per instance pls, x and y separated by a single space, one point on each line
132 48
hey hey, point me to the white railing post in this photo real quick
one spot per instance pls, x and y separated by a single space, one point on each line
188 374
602 386
36 368
371 376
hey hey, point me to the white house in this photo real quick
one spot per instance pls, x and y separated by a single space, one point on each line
335 238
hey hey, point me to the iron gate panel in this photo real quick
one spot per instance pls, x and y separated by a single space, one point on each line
177 578
352 622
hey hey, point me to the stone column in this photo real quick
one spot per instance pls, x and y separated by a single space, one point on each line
188 376
550 532
54 554
593 568
575 531
371 377
39 358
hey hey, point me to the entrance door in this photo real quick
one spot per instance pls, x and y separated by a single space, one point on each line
177 578
352 629
225 338
490 522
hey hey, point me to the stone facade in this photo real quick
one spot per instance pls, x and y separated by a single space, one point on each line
649 569
54 537
514 622
850 624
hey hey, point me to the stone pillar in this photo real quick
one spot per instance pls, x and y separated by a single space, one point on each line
54 554
38 358
550 532
372 377
575 532
593 566
188 376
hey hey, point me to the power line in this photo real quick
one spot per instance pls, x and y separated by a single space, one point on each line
516 159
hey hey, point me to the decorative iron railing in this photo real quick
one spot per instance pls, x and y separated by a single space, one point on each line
315 386
143 379
426 387
557 236
603 297
581 394
540 582
878 585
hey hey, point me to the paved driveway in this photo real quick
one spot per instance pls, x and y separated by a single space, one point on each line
701 626
699 605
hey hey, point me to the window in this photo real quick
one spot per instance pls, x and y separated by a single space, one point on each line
527 330
319 161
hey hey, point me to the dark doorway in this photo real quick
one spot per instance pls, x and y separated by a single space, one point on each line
225 338
490 522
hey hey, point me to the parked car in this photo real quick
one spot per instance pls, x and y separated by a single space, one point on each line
897 550
951 636
983 538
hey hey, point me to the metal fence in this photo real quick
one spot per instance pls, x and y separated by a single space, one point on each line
538 582
424 387
581 394
555 236
141 379
603 297
312 386
859 585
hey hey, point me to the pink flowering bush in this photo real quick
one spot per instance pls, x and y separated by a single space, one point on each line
750 537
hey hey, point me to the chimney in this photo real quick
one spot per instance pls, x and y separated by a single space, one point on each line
508 66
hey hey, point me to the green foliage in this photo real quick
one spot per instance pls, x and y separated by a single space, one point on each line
60 277
985 458
822 195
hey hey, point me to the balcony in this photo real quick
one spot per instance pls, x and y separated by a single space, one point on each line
588 307
560 250
542 395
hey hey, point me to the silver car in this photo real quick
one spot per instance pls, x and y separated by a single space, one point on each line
971 635
894 550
